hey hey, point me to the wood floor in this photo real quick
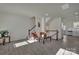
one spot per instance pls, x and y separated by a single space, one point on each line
49 48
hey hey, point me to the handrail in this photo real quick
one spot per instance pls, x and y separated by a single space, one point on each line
51 30
31 29
55 33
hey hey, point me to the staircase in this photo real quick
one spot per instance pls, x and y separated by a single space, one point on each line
46 24
31 30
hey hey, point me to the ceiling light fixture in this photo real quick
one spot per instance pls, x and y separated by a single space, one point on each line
76 13
46 14
65 6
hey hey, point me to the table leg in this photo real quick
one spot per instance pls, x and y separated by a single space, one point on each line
9 39
3 41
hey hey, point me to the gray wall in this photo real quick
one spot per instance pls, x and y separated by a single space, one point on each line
16 24
55 24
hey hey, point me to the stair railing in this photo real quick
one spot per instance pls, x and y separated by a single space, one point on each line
29 31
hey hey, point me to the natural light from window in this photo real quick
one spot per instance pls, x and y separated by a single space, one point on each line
76 24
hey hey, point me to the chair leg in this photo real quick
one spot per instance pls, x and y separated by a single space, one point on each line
43 42
39 39
46 38
50 38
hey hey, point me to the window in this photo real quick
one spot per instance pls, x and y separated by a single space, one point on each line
76 24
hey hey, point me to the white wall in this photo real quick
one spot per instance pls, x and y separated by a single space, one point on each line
43 24
17 25
56 24
68 21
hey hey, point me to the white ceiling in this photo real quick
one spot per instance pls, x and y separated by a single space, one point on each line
31 9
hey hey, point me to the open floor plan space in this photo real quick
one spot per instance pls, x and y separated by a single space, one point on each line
39 28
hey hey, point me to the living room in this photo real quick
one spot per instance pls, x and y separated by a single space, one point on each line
30 27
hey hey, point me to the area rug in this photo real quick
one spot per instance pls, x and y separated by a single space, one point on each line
65 52
25 42
20 44
32 40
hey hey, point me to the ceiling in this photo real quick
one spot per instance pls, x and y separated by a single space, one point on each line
40 9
